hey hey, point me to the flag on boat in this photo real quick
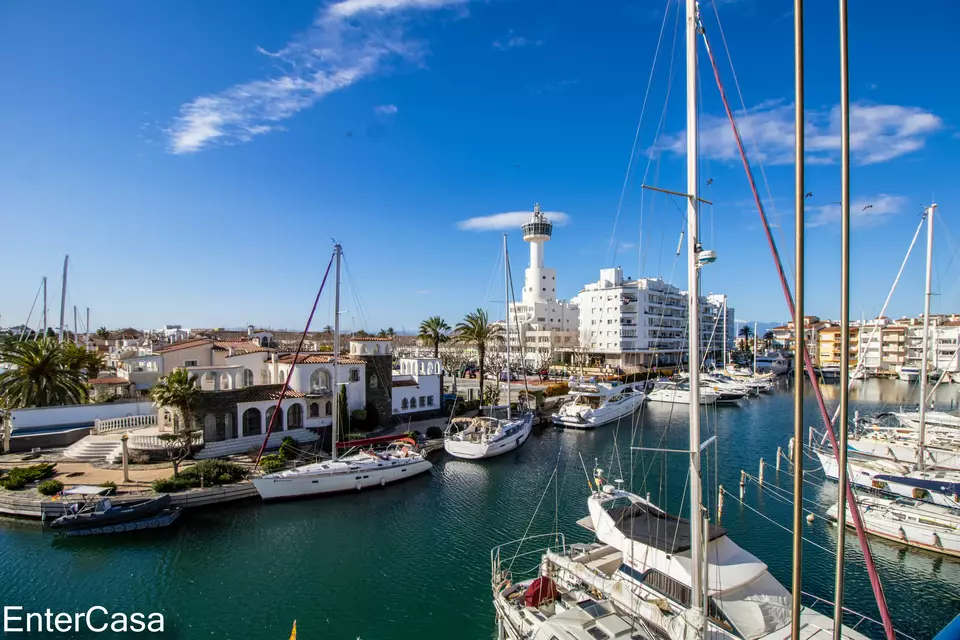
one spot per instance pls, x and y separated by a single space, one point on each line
293 634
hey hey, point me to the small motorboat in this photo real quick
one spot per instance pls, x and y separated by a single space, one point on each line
96 509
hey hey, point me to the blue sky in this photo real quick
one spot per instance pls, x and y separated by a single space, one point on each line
195 159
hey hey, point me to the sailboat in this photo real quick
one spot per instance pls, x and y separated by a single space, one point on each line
652 574
358 468
498 431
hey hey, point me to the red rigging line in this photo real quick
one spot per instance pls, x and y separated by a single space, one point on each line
296 356
808 364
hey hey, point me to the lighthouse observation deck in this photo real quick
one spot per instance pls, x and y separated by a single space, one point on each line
538 228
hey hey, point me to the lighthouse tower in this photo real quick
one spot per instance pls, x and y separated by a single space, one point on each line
540 283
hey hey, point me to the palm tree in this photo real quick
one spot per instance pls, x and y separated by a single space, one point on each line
434 329
80 359
178 391
746 332
476 330
41 376
382 333
768 339
102 333
360 333
391 333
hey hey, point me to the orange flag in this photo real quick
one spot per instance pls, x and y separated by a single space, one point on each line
293 634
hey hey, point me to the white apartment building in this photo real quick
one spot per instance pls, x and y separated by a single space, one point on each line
643 323
543 325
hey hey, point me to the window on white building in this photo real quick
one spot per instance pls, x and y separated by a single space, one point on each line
191 363
354 375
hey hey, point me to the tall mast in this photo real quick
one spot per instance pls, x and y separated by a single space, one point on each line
63 295
693 315
506 305
76 339
86 333
337 251
926 338
44 306
754 348
724 333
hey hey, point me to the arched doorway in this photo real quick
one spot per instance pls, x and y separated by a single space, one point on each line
295 417
278 424
251 422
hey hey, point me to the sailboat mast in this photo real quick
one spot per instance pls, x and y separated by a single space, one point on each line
754 348
86 332
44 306
724 332
506 306
693 316
926 339
337 251
76 340
63 295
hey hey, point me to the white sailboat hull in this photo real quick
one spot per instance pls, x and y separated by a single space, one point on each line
679 396
599 417
280 487
906 453
479 450
865 475
926 527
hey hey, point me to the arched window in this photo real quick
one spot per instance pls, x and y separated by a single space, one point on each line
247 378
328 408
209 427
229 428
295 416
320 381
176 422
373 381
314 409
225 381
167 418
278 425
220 426
251 422
403 404
209 381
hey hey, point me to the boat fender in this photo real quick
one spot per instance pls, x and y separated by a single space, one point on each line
936 540
903 534
358 486
382 481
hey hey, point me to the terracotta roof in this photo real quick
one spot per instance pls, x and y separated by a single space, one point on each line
240 347
112 380
185 344
371 339
262 392
316 358
405 383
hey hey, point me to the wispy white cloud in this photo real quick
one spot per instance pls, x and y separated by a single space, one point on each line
386 109
512 41
509 220
864 212
347 42
422 292
623 247
878 133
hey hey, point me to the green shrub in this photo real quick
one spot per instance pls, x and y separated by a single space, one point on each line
271 463
555 390
18 477
288 449
50 487
460 409
434 432
169 485
138 457
212 470
13 482
224 478
358 420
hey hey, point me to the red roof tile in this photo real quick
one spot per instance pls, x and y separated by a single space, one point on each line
405 383
317 358
263 392
185 344
371 339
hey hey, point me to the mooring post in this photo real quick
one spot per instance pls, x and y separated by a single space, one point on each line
719 502
125 457
790 450
779 454
743 482
761 472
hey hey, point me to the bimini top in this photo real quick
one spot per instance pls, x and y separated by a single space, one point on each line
656 528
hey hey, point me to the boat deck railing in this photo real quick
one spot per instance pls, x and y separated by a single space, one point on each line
859 618
512 560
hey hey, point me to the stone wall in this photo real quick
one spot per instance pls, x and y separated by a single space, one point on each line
380 393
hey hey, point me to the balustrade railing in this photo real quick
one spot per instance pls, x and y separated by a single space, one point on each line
124 423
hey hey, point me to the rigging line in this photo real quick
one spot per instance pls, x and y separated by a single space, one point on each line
293 366
772 521
384 375
875 584
636 137
666 101
753 141
542 496
30 315
780 491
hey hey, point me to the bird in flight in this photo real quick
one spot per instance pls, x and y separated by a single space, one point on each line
349 134
808 194
709 182
869 206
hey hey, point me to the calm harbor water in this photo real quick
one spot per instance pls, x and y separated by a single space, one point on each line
412 561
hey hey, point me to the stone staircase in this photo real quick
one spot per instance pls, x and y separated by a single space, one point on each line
96 449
